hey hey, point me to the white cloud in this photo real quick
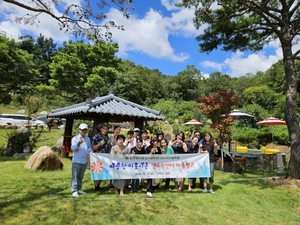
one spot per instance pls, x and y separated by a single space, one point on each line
170 4
212 65
238 64
148 35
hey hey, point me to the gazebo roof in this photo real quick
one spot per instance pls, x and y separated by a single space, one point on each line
109 105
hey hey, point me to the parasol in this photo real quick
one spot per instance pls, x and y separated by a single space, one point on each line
193 122
237 114
272 121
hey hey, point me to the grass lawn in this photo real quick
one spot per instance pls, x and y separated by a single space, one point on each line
43 197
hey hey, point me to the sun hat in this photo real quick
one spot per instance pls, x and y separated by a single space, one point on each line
136 129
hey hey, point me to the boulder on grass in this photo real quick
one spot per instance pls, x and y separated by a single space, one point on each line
44 159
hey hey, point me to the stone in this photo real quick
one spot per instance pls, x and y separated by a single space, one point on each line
44 159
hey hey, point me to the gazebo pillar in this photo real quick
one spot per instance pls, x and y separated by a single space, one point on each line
139 123
66 148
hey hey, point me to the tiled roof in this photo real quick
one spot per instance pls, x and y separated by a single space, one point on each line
109 104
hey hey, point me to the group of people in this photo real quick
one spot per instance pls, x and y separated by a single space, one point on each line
137 142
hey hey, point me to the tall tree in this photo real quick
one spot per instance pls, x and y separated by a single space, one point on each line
82 19
41 49
250 25
189 81
217 82
16 69
80 70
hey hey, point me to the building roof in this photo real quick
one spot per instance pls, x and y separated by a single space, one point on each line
109 105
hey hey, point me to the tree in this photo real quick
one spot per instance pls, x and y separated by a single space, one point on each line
250 25
80 70
78 19
261 95
217 82
41 49
217 108
16 69
188 82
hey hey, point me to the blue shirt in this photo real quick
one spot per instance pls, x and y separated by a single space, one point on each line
80 153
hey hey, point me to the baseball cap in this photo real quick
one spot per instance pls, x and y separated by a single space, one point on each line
83 126
136 129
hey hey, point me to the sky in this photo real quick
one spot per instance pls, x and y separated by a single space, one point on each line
158 35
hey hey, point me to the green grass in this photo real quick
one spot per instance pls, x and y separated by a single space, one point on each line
47 138
43 197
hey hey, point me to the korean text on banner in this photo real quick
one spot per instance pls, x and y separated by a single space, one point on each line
106 167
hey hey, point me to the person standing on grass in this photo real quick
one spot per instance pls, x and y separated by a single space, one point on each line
179 146
118 149
208 145
100 145
138 149
81 147
152 149
165 149
193 148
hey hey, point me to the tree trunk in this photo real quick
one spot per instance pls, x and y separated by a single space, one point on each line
290 111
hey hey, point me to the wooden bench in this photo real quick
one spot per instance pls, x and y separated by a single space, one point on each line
240 161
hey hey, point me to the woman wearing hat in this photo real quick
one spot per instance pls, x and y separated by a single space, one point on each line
100 145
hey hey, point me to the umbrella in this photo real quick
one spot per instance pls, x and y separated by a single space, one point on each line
193 122
237 114
271 122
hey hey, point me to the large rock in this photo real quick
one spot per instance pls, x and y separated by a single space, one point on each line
44 159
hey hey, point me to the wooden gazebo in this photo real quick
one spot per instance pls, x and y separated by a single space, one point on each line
109 108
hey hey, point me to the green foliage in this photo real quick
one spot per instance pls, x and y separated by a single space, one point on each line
254 138
93 68
261 95
17 140
16 68
183 110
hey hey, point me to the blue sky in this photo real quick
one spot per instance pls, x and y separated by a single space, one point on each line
157 35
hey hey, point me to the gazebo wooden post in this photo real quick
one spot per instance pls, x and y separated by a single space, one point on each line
139 123
67 138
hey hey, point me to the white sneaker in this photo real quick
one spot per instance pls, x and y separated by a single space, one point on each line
149 194
211 191
75 194
204 190
81 192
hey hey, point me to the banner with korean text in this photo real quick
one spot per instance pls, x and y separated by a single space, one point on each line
106 167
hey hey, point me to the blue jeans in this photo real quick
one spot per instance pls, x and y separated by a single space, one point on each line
77 176
134 184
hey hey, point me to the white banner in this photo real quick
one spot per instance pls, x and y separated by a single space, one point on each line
105 167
